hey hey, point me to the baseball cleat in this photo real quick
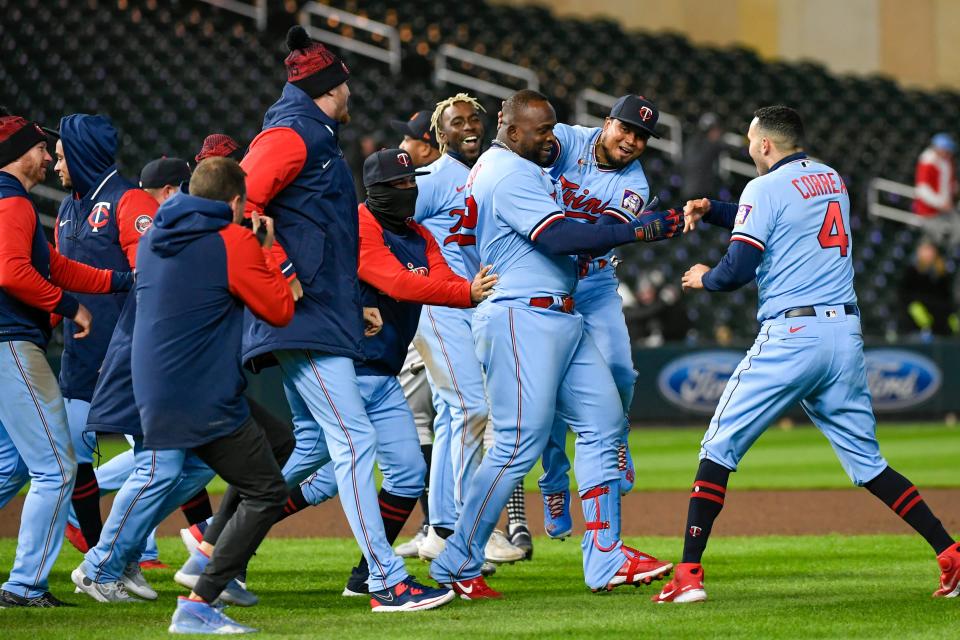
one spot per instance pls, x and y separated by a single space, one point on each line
150 565
474 589
432 545
135 583
409 595
45 600
638 568
75 538
520 537
499 549
625 466
686 585
949 562
487 569
195 616
191 537
556 514
233 593
101 592
357 584
410 548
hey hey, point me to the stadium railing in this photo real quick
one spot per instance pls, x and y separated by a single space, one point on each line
336 17
443 73
257 9
878 209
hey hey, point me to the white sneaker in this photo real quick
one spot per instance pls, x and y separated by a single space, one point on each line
136 584
189 540
101 592
410 548
432 545
499 549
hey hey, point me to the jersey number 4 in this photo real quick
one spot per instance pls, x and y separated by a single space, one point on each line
832 233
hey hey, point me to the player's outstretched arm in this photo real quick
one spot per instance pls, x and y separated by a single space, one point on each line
737 268
561 236
715 212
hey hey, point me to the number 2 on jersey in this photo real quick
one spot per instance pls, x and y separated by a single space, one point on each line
832 233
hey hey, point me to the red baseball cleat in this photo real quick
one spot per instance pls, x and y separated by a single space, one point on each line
474 589
638 568
146 565
686 586
949 573
75 536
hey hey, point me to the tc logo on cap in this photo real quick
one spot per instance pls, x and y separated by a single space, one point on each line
646 113
404 159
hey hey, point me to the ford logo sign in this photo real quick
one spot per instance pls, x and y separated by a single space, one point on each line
696 382
900 379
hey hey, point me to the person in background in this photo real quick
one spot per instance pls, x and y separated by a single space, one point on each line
701 154
926 294
936 188
419 139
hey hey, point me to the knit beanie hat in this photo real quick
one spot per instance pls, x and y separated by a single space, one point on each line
312 67
17 136
219 145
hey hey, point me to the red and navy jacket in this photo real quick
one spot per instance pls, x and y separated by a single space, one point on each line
33 275
296 174
197 271
99 225
399 273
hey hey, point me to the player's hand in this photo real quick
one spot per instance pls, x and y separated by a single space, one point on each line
693 212
263 229
657 225
84 320
296 289
372 321
693 278
482 286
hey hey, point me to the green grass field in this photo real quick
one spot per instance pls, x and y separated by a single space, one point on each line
798 458
777 587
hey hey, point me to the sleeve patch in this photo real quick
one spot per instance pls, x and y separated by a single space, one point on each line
632 202
142 223
742 212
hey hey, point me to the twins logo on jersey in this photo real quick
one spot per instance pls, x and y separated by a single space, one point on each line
580 205
99 216
420 271
142 223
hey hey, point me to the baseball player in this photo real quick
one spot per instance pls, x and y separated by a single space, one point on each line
98 224
444 337
791 233
35 442
419 138
297 175
401 267
537 359
599 172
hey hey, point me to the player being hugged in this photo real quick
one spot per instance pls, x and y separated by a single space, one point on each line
790 232
537 358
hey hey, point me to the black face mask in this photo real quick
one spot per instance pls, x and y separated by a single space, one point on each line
392 206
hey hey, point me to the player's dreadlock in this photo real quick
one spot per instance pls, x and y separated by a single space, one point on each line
441 107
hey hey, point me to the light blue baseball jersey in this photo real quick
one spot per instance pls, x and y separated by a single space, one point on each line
441 209
587 190
514 200
799 216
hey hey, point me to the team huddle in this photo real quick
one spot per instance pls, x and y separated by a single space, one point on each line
451 328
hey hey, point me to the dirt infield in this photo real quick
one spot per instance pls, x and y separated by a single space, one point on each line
656 513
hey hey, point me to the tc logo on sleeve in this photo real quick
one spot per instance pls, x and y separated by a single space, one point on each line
142 223
742 212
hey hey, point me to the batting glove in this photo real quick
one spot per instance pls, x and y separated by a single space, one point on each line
654 226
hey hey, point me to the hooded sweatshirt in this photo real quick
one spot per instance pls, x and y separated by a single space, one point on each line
99 224
197 271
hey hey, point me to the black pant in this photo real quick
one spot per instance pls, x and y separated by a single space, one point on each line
282 442
244 460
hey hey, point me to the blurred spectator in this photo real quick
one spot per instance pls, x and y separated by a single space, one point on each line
926 294
723 335
701 155
355 154
936 188
659 315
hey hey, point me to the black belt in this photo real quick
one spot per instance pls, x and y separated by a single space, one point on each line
799 312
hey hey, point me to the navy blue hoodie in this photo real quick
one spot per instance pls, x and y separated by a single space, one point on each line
196 271
99 225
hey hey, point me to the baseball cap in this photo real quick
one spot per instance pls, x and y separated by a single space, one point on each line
163 171
638 111
417 127
944 141
388 165
17 136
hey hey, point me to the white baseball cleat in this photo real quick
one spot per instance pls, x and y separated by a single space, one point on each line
410 548
500 550
135 583
432 545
